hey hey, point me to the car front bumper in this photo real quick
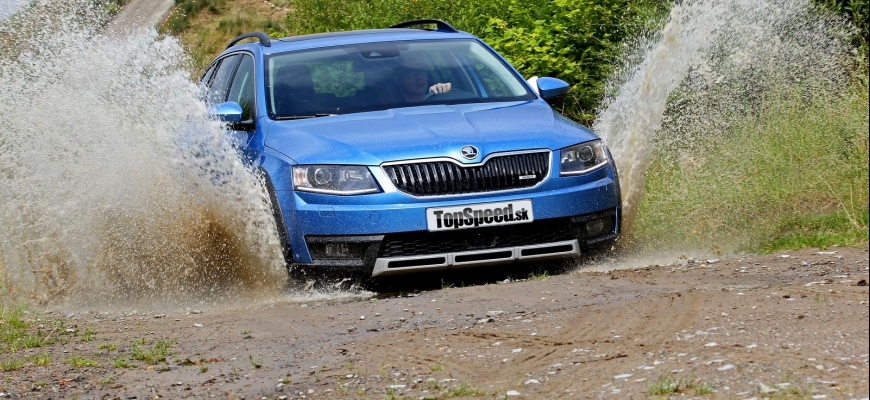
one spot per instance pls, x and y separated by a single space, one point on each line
387 233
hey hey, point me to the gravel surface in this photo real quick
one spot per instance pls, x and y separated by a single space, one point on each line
787 325
141 13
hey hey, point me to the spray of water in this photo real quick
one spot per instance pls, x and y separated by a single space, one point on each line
713 63
116 187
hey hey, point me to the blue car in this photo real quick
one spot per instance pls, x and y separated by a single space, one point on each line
399 150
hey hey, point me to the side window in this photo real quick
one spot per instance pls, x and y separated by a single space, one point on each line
218 89
242 89
207 75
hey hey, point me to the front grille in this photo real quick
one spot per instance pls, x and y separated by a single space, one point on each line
422 243
435 178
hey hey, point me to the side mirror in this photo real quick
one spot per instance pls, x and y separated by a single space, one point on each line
552 88
230 112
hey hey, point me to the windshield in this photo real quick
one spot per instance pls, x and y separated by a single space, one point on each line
380 76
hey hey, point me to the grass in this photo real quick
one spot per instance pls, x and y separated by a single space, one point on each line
122 362
11 365
793 175
257 364
108 347
437 367
539 276
153 355
80 362
668 384
17 331
820 231
41 360
88 335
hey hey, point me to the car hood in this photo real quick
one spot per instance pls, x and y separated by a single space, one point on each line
372 138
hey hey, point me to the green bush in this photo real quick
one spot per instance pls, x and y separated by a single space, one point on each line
857 11
339 15
575 40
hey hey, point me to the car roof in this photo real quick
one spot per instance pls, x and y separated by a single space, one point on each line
330 39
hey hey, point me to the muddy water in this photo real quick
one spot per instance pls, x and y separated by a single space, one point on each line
711 64
116 187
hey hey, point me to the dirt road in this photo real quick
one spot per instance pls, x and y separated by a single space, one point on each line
777 326
141 13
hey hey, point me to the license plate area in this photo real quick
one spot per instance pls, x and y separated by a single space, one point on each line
479 215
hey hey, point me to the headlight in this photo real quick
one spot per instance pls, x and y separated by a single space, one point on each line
334 179
583 158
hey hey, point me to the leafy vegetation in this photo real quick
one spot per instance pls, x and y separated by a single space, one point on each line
858 11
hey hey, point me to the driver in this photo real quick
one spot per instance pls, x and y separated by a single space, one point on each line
412 79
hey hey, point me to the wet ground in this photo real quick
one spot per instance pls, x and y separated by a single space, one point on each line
787 325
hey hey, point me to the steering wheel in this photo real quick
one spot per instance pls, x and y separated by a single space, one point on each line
428 97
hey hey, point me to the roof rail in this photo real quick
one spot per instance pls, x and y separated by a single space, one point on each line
264 39
442 26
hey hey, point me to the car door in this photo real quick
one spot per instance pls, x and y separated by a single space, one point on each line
242 91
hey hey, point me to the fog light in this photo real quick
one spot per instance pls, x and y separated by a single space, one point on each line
598 227
338 251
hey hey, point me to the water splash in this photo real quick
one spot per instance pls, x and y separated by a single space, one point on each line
710 64
116 187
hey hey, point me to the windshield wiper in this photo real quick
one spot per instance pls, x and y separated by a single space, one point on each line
291 117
